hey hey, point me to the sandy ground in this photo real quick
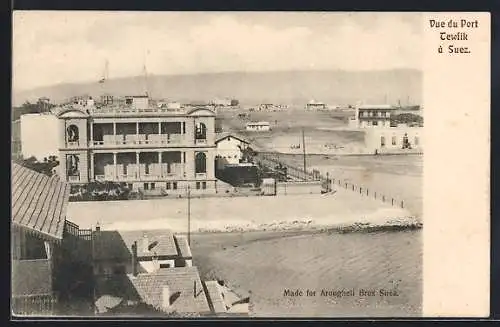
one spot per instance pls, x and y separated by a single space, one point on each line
264 264
229 214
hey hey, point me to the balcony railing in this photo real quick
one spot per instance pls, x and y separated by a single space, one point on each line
137 140
74 178
133 111
201 141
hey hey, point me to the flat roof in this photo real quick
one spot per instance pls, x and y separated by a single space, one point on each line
377 106
258 123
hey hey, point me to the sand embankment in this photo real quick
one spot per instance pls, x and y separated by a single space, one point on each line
290 212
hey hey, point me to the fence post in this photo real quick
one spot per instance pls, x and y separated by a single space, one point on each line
375 195
366 192
402 204
392 201
361 190
383 198
346 185
353 187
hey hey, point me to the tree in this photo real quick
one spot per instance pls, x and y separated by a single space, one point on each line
247 154
31 108
407 118
45 167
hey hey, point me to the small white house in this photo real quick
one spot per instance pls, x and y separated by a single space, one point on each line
394 139
229 150
261 126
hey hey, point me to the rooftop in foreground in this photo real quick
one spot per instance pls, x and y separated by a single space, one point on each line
39 202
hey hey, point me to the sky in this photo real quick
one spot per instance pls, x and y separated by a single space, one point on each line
71 47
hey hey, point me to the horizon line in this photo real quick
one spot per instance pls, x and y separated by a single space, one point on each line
216 73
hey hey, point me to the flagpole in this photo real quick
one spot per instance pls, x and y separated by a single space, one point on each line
189 215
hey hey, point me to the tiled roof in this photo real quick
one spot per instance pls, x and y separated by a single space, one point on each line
39 202
215 297
186 290
31 277
183 245
117 245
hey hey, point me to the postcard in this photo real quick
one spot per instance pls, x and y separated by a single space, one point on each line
250 164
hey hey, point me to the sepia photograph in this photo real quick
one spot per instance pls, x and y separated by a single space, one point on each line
217 164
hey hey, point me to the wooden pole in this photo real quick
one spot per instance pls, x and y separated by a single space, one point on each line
304 150
189 214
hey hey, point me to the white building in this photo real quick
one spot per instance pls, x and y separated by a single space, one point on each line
229 150
394 139
314 105
221 102
373 116
39 135
261 126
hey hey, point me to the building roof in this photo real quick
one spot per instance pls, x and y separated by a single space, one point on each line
117 245
258 123
39 202
222 136
215 297
31 278
185 287
377 106
183 247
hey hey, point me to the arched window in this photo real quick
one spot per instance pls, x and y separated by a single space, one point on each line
201 131
382 141
200 163
72 133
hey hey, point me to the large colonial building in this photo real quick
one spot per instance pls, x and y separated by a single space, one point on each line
132 141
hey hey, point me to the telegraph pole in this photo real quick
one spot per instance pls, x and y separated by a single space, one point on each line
304 150
189 214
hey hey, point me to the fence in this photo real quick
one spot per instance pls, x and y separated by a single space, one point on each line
315 175
34 305
300 174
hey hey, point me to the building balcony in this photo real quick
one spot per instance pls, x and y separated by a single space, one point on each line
124 111
73 144
201 141
125 178
140 140
176 171
74 179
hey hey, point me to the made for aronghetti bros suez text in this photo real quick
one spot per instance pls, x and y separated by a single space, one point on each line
339 293
458 37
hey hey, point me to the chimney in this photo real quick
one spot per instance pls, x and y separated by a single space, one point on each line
134 258
165 304
145 243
